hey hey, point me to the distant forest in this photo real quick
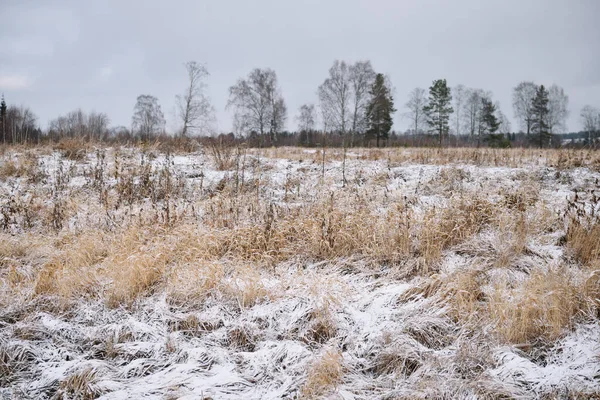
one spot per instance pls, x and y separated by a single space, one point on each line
355 107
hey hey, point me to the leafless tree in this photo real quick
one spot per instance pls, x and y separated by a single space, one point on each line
20 125
558 109
194 109
417 99
458 99
148 119
335 95
97 125
590 118
259 105
79 124
472 110
523 95
362 76
505 126
307 120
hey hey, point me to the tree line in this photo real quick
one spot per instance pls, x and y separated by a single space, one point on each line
355 107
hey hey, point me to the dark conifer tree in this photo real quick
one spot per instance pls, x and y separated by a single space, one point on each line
540 115
3 109
380 110
439 109
489 125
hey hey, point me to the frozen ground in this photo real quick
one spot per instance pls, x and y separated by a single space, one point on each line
390 337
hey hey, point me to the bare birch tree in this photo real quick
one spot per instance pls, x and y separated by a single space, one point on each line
335 95
362 77
148 119
307 119
258 103
523 95
590 118
193 106
503 122
417 100
558 109
458 100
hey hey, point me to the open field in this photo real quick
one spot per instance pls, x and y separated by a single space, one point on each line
231 273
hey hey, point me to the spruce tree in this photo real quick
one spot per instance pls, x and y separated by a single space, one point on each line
540 115
489 124
439 109
3 119
380 110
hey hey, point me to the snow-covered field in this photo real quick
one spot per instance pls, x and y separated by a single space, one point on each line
129 274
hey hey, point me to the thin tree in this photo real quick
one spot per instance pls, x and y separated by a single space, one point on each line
193 106
590 118
558 109
380 110
335 95
523 95
459 93
415 106
307 121
439 109
472 110
361 77
505 126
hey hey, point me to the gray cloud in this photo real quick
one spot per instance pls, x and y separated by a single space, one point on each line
58 55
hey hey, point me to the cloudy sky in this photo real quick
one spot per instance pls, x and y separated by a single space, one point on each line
59 55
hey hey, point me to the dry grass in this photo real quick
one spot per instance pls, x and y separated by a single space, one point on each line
543 307
324 374
127 228
584 242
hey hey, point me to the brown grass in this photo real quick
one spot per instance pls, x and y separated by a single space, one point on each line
324 374
542 307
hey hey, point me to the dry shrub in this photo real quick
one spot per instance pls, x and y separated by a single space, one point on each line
222 150
73 148
542 307
324 374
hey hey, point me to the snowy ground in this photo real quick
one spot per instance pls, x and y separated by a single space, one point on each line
350 326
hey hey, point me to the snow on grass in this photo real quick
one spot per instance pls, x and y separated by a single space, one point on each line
271 326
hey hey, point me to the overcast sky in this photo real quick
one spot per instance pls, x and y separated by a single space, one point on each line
59 55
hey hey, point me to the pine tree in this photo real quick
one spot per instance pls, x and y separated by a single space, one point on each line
439 109
540 115
489 124
380 110
3 119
